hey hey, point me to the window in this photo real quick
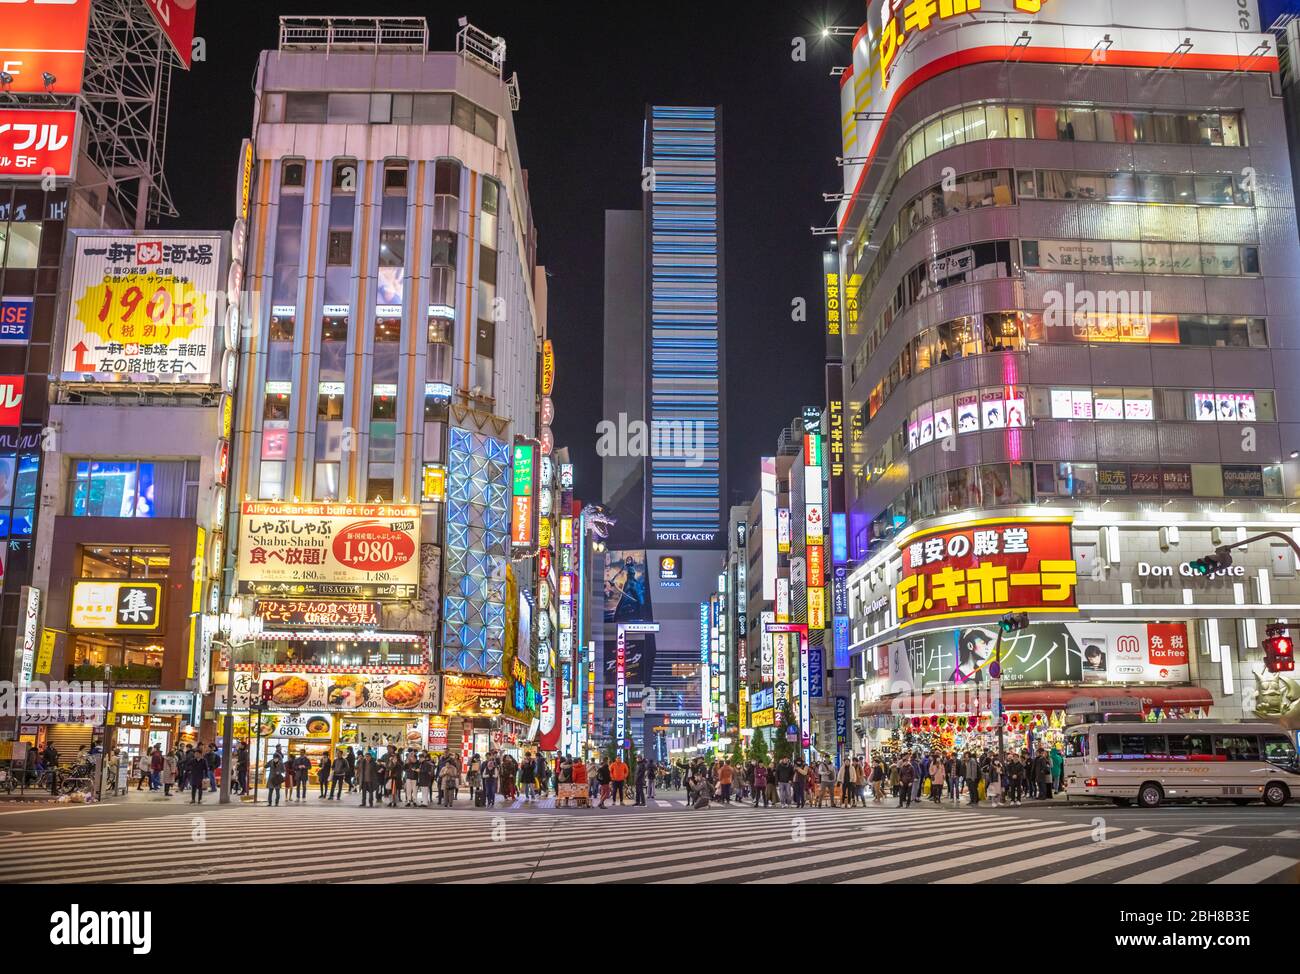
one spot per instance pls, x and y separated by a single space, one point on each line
395 174
18 481
439 353
282 327
334 328
305 107
1190 747
124 562
325 486
348 107
392 248
136 659
340 248
345 176
293 174
488 215
431 109
133 488
1278 750
270 485
1236 747
20 245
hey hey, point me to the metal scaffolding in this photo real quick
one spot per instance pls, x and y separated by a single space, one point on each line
124 107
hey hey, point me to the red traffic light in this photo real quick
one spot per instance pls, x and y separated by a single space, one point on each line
267 687
1279 654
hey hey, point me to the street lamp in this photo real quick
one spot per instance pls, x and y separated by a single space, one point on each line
237 631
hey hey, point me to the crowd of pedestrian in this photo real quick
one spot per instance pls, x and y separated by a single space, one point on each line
908 777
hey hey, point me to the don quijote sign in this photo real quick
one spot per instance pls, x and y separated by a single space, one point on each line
1178 575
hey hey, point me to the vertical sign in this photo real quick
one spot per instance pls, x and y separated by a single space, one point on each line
523 490
834 305
620 688
804 690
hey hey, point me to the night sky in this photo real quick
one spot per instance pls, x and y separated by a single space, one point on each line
585 78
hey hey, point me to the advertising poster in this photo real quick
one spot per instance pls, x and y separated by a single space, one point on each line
986 567
34 142
176 18
143 307
328 692
356 550
627 590
473 696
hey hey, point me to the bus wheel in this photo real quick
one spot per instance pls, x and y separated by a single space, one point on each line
1122 802
1275 794
1149 795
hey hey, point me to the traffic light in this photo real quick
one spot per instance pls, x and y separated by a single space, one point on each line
1013 622
1221 559
1279 651
267 687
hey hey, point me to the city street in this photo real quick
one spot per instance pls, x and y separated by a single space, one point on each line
150 842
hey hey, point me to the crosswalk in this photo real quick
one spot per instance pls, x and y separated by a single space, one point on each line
663 843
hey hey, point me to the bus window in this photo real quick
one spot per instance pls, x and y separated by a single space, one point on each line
1109 747
1076 746
1237 748
1144 746
1190 747
1278 750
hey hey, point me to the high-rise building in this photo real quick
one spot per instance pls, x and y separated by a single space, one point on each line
662 439
1070 237
390 358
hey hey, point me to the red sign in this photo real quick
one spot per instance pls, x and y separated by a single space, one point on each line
372 546
39 37
11 400
176 18
1167 643
986 567
521 521
37 143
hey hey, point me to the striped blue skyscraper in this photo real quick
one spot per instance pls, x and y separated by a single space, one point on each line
685 391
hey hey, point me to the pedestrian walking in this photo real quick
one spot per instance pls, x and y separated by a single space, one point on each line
274 779
937 775
367 778
906 776
340 776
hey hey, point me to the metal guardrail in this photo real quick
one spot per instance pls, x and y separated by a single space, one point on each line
354 34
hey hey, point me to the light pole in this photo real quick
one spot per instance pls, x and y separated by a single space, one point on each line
237 631
1222 556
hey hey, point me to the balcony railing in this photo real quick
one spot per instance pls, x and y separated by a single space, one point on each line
376 34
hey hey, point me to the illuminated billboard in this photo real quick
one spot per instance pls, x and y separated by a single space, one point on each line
42 39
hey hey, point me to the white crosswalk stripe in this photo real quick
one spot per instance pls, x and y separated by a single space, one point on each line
662 843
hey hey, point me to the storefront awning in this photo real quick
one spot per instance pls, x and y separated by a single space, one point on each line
1034 698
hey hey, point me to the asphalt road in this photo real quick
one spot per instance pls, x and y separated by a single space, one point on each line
147 840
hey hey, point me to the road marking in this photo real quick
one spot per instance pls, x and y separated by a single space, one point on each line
1113 862
1184 866
1288 834
663 804
997 873
1203 829
1258 871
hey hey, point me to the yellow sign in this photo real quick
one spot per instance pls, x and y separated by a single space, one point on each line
245 178
116 605
743 719
130 701
544 532
227 415
763 718
817 608
196 599
435 482
45 657
566 530
548 367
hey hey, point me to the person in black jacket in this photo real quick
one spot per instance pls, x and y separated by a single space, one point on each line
301 775
198 773
274 779
640 777
424 777
352 771
323 774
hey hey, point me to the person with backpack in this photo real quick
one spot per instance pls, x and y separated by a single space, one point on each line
341 776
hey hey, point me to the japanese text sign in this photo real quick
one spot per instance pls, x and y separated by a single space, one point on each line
143 306
356 550
986 567
35 143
